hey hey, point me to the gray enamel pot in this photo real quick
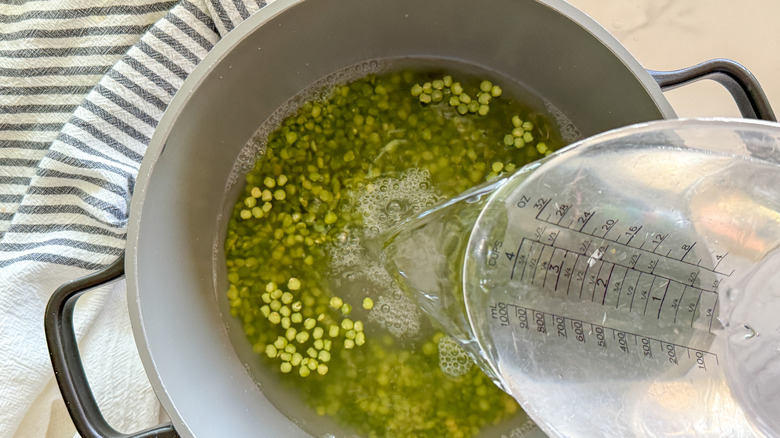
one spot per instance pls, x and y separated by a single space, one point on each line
173 264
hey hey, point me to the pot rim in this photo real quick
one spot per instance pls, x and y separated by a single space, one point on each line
196 78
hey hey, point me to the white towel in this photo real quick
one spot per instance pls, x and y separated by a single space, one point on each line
83 84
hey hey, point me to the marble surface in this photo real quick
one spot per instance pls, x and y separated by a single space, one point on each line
672 34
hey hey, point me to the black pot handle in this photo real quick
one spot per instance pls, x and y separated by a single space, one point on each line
66 360
742 85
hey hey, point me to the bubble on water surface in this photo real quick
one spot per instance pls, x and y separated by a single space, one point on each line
569 132
341 239
521 431
453 360
346 253
398 314
352 266
388 200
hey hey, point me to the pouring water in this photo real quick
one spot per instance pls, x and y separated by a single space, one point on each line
626 286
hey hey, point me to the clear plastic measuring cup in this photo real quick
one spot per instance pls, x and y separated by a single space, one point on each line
628 285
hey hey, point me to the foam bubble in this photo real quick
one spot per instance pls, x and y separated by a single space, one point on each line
453 360
346 251
385 201
392 310
522 430
569 132
397 314
378 275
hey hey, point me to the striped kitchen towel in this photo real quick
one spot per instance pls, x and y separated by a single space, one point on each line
83 84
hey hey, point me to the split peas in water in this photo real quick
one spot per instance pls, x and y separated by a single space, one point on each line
306 200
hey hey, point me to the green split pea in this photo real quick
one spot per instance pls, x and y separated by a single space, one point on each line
300 197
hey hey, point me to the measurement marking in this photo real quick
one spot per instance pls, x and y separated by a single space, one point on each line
584 278
639 256
541 209
635 258
633 235
717 297
587 247
660 242
560 319
689 250
720 259
563 209
576 259
549 263
517 257
649 291
633 295
539 233
677 310
620 291
592 213
610 229
640 248
536 264
595 283
693 316
695 276
554 237
652 266
584 275
606 286
560 268
663 298
571 323
655 265
527 260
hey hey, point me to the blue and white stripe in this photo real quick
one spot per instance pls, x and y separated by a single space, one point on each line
66 151
83 84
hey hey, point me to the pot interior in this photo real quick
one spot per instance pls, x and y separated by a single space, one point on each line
175 236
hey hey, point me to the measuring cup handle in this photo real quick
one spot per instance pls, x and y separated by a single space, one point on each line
743 86
66 360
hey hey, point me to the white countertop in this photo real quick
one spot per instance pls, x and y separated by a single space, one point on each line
673 34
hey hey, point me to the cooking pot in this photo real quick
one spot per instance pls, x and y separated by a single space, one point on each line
175 272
